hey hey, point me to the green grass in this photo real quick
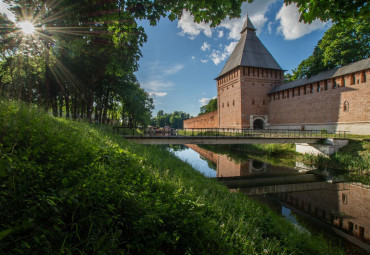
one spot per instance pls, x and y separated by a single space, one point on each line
73 188
350 163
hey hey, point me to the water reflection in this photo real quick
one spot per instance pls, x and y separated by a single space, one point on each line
341 208
227 167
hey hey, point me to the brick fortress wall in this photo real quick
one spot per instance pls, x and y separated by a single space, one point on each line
341 103
208 120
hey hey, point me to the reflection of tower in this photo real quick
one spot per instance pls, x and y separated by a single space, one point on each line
244 82
344 205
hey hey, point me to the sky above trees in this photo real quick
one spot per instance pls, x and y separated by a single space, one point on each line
181 58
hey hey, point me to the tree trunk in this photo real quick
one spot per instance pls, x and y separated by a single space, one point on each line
66 98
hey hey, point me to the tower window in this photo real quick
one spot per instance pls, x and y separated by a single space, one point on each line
335 85
353 79
318 87
363 76
233 102
343 81
326 85
292 92
263 102
253 102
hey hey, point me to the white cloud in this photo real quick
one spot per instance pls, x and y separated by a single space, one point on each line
193 57
156 80
206 46
217 56
290 26
173 70
158 94
220 33
256 11
4 9
269 27
204 61
156 85
189 27
203 101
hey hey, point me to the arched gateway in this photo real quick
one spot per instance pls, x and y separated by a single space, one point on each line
258 124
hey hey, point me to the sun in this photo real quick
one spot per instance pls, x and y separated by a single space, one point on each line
27 27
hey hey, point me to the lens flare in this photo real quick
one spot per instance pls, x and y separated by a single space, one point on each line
27 27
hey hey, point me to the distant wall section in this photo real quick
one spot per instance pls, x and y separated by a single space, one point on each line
208 120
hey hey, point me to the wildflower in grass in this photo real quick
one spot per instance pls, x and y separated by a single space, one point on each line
265 251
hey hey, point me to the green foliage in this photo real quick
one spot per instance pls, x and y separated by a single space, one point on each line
336 10
350 163
175 119
210 107
342 44
72 188
275 154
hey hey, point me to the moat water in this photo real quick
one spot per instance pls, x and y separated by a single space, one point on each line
339 211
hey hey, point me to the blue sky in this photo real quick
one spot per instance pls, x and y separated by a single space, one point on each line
182 58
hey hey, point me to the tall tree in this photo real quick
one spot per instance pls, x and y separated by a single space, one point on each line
210 107
342 44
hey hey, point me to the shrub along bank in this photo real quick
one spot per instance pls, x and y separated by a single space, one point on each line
69 187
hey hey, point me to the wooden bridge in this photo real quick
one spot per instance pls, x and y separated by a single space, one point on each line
224 136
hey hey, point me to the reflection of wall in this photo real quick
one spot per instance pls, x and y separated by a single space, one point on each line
205 153
227 167
346 206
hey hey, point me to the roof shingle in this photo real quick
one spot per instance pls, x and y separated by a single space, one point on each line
249 52
336 72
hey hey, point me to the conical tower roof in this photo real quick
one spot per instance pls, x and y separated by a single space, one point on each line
250 52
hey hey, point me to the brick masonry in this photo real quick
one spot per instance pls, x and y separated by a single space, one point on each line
208 120
243 96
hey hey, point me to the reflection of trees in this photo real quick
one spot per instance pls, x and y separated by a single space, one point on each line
240 153
211 164
177 147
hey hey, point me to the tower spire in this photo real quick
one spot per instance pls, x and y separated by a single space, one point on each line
248 25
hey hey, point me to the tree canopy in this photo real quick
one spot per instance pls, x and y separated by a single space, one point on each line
175 119
342 44
336 10
80 62
210 107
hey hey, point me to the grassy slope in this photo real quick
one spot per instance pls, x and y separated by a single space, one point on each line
69 187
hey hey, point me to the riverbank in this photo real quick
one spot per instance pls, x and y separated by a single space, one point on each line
351 163
71 187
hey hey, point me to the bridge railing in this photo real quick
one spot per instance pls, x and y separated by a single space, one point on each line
262 133
226 132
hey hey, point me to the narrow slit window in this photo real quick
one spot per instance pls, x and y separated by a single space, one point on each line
346 106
